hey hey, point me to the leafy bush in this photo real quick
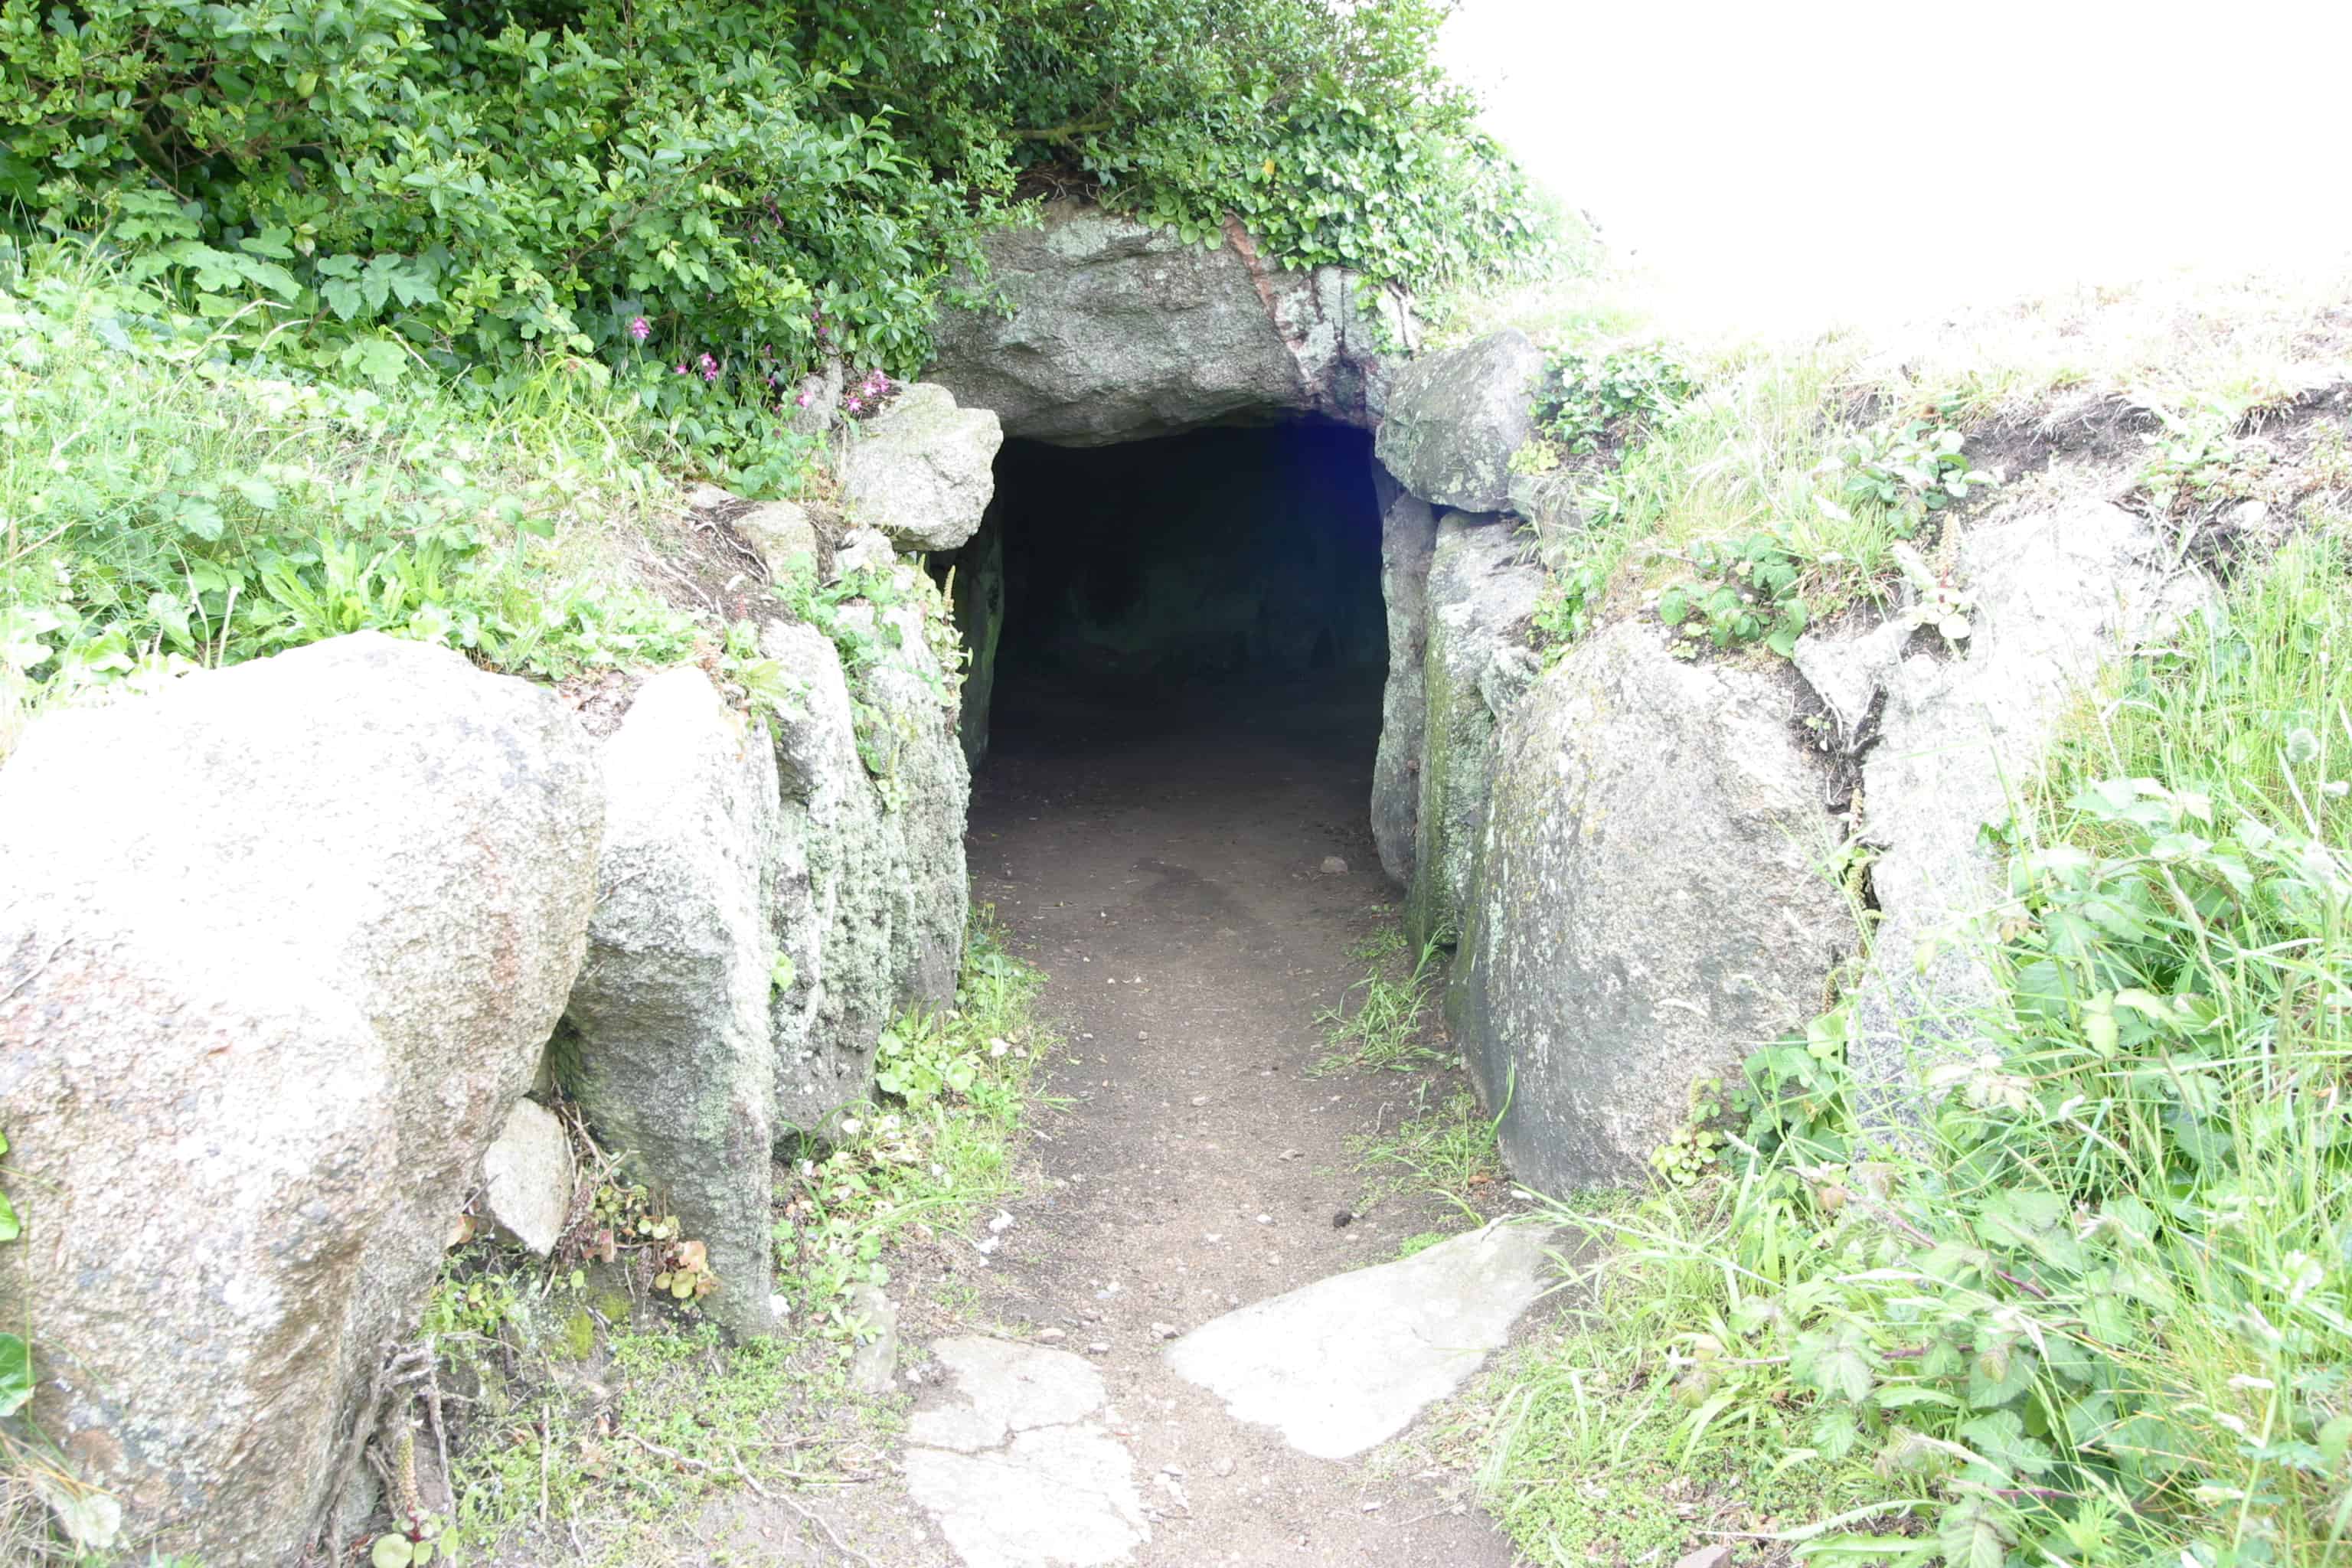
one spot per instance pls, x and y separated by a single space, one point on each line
1904 470
1587 400
711 199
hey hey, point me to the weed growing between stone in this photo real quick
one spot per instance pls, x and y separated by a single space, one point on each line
2097 1311
1447 1150
1385 1030
935 1148
1444 1147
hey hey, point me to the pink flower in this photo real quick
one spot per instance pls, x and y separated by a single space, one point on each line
680 369
641 329
709 368
852 403
806 398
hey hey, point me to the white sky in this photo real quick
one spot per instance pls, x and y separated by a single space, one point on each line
1792 161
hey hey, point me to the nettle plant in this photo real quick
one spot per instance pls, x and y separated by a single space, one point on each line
2198 458
1745 589
2103 1315
1590 401
1936 600
1905 470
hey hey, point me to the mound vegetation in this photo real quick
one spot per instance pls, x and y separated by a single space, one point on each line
2095 1309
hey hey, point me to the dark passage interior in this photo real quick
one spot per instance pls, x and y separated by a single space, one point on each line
1198 581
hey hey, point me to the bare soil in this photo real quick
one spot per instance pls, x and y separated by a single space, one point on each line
1162 863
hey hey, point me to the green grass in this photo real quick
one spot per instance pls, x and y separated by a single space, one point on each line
1448 1149
2099 1312
1385 1030
1743 488
162 510
934 1156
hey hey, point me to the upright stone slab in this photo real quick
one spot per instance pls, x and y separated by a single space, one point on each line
831 903
2057 596
667 1045
979 606
870 893
279 950
1482 590
1407 541
1653 901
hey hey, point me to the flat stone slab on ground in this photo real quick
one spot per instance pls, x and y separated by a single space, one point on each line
1347 1362
1015 1471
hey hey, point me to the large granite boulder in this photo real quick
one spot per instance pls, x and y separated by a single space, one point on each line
666 1045
922 470
278 951
1652 901
1477 665
1407 541
2056 595
1454 419
1118 332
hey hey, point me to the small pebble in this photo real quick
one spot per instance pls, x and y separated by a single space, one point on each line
1050 1335
1342 1220
1098 1348
1163 1331
1334 866
1266 1219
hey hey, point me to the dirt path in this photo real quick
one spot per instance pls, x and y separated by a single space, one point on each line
1166 874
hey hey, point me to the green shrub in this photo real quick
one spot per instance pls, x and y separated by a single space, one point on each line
1589 400
1745 589
709 199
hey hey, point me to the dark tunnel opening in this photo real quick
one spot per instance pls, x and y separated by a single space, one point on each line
1225 578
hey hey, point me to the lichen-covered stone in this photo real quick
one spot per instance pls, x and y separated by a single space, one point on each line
870 893
2057 595
666 1045
1482 588
784 535
921 471
1119 332
279 950
1407 541
1454 419
1652 902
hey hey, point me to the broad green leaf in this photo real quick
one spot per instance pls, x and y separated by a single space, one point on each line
16 1374
1972 1536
